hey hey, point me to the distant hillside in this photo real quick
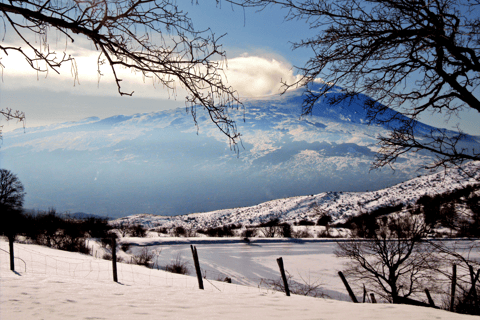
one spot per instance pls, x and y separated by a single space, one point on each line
158 163
340 205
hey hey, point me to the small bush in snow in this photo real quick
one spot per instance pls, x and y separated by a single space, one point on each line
306 223
249 232
179 231
125 246
145 258
178 265
302 233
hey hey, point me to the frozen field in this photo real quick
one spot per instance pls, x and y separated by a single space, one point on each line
51 284
307 261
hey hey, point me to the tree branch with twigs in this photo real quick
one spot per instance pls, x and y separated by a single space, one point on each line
415 57
153 38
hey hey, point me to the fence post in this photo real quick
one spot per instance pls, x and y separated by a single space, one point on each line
197 267
364 293
454 284
350 292
12 256
284 276
114 258
429 297
372 296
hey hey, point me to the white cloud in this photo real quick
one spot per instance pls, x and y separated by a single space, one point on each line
18 74
251 76
254 76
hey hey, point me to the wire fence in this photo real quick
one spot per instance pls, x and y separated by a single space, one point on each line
34 260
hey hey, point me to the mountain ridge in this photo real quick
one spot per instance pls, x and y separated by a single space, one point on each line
339 205
161 163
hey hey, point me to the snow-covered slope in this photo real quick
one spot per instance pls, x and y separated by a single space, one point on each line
340 205
59 285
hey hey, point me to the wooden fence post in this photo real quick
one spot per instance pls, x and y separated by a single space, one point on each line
429 297
197 267
114 258
372 296
350 292
364 293
454 284
284 276
12 256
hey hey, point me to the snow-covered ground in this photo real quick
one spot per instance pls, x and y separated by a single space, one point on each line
340 205
52 284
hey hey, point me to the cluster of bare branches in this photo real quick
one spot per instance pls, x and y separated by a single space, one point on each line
305 287
10 114
395 264
151 37
461 255
417 57
399 263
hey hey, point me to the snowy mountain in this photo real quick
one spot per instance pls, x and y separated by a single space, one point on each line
340 205
158 163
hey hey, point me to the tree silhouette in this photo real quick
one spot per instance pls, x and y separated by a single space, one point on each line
11 201
11 190
151 37
396 263
414 56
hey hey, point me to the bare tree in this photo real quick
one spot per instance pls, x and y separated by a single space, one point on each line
11 202
462 254
416 57
151 37
396 264
11 190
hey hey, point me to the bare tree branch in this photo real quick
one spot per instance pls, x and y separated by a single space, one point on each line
415 57
151 37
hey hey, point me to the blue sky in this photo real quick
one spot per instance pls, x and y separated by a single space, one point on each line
258 46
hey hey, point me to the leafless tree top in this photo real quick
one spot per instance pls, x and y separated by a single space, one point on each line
151 37
415 56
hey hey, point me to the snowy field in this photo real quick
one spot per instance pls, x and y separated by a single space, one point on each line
52 284
308 261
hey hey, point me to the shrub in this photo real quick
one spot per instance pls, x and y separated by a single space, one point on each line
324 220
249 232
125 246
161 230
96 227
107 241
108 256
325 233
365 224
178 265
225 231
271 228
468 303
137 230
145 258
285 230
306 287
52 230
179 231
302 234
306 223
